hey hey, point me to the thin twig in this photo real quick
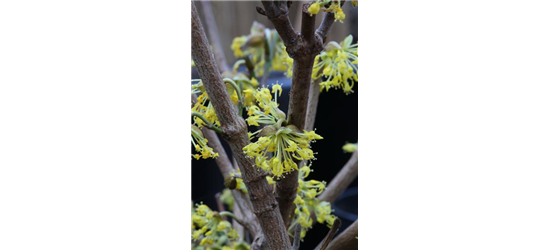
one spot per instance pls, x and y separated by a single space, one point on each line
242 222
237 226
277 12
346 240
208 123
324 244
213 35
307 23
326 24
312 105
297 237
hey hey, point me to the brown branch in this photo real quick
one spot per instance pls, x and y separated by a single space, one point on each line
297 112
297 237
297 19
303 48
307 23
237 212
263 202
346 240
312 105
277 12
326 24
223 162
324 244
342 180
213 35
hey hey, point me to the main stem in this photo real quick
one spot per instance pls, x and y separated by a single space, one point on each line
303 48
287 187
263 202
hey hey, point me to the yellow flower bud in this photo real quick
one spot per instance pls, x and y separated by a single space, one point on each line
314 8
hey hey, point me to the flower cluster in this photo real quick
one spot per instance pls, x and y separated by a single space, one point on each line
209 229
278 145
202 109
338 63
307 201
333 6
265 49
201 144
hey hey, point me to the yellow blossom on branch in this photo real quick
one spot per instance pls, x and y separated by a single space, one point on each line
333 6
209 229
306 202
279 145
201 144
265 48
338 63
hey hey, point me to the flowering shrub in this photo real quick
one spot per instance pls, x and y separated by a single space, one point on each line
268 193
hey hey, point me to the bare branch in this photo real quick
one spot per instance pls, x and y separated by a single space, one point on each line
326 24
324 244
312 105
342 180
223 161
277 12
237 226
307 23
346 240
297 237
213 35
264 204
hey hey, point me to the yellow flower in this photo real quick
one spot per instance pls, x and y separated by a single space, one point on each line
236 46
255 49
339 15
211 230
278 146
306 200
350 147
201 144
338 63
334 7
314 8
